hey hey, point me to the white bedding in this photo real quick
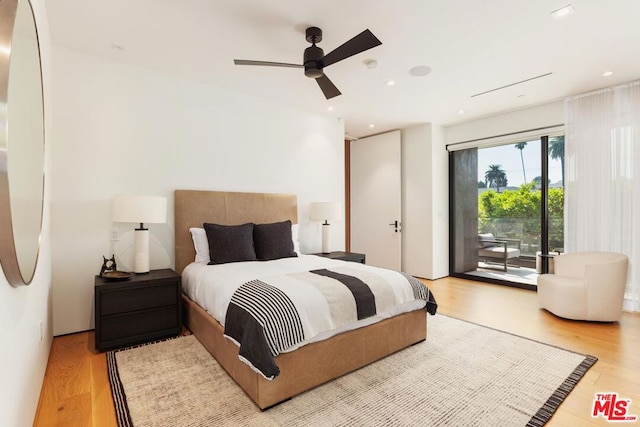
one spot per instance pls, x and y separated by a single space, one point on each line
212 286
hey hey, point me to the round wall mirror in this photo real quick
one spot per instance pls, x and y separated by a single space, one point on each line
21 142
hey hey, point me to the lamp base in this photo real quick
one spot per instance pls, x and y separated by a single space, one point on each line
326 238
141 255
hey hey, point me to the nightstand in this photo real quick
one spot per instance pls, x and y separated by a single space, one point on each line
344 256
143 308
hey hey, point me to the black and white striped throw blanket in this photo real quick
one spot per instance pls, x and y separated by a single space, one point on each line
269 316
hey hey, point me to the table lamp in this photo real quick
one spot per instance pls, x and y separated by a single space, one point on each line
326 211
140 209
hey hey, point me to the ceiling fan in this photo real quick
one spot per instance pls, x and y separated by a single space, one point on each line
315 60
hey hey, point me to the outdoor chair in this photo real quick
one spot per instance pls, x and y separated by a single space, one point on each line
497 249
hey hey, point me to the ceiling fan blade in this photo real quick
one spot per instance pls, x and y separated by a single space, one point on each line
266 63
363 41
328 88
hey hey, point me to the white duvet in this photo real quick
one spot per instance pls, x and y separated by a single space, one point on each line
212 286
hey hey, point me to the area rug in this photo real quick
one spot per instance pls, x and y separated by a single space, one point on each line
463 375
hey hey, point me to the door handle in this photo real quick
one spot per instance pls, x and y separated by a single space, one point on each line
396 225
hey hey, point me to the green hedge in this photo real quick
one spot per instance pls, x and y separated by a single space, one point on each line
516 214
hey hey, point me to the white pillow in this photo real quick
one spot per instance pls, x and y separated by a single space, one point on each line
201 244
294 237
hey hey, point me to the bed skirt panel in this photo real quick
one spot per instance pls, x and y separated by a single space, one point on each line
312 364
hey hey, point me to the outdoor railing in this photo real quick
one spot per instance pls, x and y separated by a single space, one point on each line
527 230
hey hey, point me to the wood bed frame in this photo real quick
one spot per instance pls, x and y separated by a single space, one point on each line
308 366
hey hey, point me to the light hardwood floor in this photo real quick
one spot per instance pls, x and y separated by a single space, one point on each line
76 388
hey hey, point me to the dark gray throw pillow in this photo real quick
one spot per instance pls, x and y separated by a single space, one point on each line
230 243
273 241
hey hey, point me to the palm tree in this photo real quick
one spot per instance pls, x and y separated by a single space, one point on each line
537 181
520 146
495 175
556 151
503 181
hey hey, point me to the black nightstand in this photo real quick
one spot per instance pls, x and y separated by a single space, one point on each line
143 308
344 256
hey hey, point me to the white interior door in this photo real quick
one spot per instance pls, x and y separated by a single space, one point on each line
376 199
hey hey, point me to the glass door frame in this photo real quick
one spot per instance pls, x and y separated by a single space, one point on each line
455 215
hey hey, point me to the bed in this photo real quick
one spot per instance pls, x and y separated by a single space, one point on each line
309 365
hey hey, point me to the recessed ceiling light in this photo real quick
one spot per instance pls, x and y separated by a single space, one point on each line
390 82
460 111
563 11
372 125
607 73
330 108
419 70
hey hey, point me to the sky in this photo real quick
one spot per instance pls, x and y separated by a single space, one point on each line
508 157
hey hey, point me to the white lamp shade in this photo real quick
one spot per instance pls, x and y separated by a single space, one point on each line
325 211
141 209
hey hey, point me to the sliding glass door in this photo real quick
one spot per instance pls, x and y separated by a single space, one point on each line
507 210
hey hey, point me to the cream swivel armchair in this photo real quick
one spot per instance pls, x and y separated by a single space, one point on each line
585 286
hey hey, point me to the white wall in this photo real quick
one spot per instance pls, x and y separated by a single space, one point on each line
23 358
425 202
440 204
539 116
127 129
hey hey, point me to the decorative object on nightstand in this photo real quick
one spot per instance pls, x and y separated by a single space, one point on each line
326 211
110 271
344 256
140 209
108 264
145 308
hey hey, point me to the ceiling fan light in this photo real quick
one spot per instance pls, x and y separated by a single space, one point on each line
313 72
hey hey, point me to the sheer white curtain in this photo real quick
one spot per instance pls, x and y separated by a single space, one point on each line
602 164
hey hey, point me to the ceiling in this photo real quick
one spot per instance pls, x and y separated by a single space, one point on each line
471 47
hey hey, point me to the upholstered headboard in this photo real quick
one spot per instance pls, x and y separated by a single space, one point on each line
192 208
